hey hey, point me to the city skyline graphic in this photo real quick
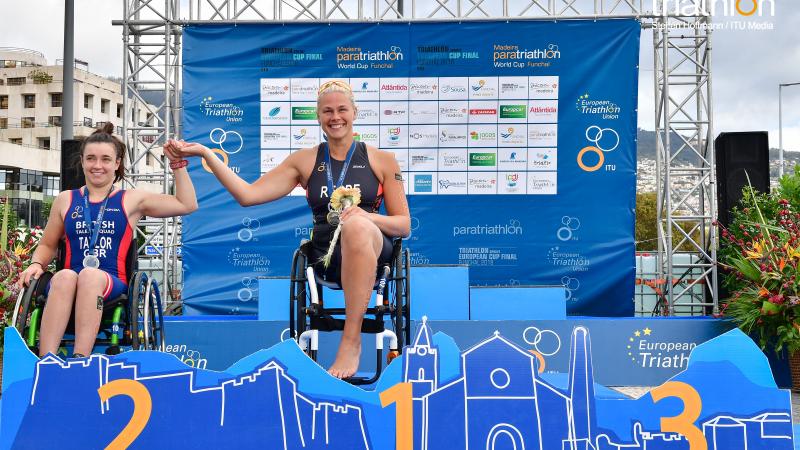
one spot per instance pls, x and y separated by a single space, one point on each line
501 398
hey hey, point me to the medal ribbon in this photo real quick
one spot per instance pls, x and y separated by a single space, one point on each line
346 165
94 227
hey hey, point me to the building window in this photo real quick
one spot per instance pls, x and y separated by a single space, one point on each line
15 81
17 141
52 185
104 105
3 102
56 99
43 142
28 122
119 110
149 160
87 101
3 123
87 122
54 121
29 100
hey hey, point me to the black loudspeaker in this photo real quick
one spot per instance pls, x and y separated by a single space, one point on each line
739 156
71 173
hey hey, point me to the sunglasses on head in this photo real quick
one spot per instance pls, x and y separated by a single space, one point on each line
338 83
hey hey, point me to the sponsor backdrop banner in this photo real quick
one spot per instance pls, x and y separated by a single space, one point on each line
516 141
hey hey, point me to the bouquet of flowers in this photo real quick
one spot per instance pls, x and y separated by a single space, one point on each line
761 253
15 256
341 199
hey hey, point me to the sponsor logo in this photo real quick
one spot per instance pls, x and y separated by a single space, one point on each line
482 112
453 89
423 89
366 114
482 135
543 110
646 350
512 179
394 87
357 58
515 56
448 136
508 133
446 184
304 113
543 87
394 112
605 109
417 136
604 140
477 87
482 159
273 90
274 111
542 183
452 112
394 134
300 134
512 228
365 136
455 160
229 111
423 183
417 160
512 111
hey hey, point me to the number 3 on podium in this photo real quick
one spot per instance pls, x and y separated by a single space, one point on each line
683 423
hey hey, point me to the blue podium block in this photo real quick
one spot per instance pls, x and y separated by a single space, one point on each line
440 292
273 298
518 303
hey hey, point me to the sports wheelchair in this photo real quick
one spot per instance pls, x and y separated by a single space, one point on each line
308 315
133 319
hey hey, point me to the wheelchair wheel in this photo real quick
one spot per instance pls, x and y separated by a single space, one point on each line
28 309
401 291
146 314
297 296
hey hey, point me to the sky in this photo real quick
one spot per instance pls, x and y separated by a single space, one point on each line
747 65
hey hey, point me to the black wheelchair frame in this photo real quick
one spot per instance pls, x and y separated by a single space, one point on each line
308 316
140 327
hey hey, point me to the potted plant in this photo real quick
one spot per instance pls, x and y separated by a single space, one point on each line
760 256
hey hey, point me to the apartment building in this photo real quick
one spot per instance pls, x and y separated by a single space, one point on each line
31 108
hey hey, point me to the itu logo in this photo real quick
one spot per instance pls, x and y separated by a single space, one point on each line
544 342
568 227
570 285
229 142
604 140
248 227
248 292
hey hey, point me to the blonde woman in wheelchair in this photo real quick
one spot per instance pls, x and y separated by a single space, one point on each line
365 239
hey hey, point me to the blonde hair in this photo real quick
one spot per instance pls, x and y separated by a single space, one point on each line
336 86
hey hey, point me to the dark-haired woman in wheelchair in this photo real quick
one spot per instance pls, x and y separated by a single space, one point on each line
365 239
96 222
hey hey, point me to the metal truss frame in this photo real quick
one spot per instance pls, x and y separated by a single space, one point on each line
682 77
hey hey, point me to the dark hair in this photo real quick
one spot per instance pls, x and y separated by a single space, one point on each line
105 135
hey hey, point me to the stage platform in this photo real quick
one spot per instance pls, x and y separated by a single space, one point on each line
627 351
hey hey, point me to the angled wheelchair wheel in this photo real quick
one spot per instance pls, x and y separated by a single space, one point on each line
298 297
146 314
29 308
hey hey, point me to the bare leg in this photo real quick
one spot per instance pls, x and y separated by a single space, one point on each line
57 310
89 308
361 245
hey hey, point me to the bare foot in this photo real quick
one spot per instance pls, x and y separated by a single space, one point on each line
347 358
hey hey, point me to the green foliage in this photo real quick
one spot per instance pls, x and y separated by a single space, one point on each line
646 228
40 76
646 231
